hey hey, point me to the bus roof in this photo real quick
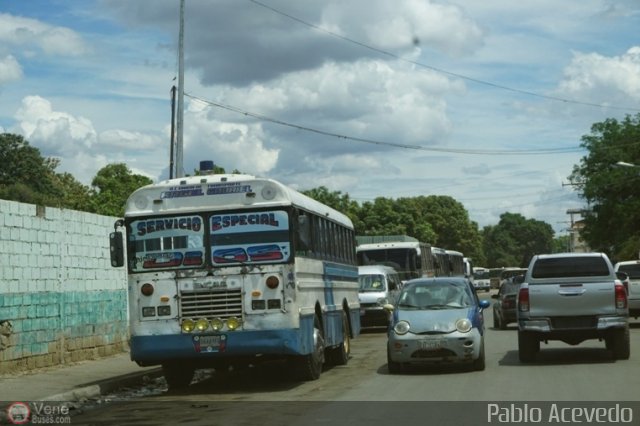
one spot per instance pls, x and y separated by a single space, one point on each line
390 245
226 191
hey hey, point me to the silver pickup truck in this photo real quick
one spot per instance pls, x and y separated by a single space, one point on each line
572 297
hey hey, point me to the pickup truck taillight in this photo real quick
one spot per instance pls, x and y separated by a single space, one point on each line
523 300
621 296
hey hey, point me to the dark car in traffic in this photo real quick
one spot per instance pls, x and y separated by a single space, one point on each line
504 308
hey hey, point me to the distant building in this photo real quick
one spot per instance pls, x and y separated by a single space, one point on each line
577 244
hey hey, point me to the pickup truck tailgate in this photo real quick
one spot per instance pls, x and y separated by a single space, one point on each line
574 298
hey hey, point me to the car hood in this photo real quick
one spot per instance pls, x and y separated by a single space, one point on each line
435 320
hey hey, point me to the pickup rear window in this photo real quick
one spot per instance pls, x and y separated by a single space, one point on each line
566 267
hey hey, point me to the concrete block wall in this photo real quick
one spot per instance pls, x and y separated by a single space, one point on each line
60 299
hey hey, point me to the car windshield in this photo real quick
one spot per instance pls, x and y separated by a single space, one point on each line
371 283
434 296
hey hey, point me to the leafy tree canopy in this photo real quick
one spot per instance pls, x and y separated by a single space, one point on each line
612 192
515 239
112 186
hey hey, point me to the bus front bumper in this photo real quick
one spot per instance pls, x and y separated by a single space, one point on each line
156 349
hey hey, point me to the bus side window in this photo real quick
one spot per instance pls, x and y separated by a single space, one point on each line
304 233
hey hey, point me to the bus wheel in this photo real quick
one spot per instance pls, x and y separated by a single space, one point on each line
309 366
340 354
177 376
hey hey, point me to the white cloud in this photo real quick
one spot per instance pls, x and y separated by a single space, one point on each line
52 40
10 69
592 75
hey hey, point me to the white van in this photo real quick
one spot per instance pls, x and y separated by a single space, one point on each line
378 285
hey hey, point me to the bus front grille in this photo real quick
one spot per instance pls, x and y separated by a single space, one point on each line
211 304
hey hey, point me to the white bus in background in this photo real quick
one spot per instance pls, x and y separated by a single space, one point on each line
411 259
456 263
226 270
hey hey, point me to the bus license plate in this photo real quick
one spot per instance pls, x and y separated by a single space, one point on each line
214 343
430 344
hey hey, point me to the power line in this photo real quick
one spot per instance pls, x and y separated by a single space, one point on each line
439 70
383 143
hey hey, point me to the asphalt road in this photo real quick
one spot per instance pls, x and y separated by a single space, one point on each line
363 390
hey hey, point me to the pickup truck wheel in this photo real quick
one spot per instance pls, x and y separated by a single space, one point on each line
620 344
528 346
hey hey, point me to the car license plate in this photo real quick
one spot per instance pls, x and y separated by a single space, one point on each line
430 344
215 343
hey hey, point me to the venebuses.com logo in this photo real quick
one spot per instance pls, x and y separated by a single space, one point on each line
38 412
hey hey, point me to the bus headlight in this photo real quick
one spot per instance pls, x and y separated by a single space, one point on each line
217 324
187 325
202 324
233 323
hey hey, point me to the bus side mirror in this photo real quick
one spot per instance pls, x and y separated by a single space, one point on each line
116 247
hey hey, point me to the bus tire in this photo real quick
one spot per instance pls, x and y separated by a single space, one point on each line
177 376
339 355
309 367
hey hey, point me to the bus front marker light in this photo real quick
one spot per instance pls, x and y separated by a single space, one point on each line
164 310
146 289
149 311
164 299
256 293
217 324
188 325
273 282
202 324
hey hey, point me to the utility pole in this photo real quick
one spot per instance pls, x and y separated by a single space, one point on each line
180 112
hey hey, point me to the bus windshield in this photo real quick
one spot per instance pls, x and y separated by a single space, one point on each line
250 237
178 241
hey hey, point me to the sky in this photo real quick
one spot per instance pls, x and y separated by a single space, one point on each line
485 102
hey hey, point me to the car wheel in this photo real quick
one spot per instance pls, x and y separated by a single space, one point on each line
309 367
503 324
178 376
528 346
620 344
340 354
392 366
479 363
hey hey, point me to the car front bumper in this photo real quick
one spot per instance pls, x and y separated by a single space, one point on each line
453 347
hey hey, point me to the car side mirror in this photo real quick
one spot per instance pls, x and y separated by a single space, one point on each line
622 276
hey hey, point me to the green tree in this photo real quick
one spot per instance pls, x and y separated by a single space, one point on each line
26 175
515 239
612 193
450 222
338 201
111 187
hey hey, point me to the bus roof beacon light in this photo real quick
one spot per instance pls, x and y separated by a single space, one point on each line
206 167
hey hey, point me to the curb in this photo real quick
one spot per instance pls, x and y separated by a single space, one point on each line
106 386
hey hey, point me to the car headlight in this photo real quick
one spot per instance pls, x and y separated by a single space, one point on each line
402 327
463 325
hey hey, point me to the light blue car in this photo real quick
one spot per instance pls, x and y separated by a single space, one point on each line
437 320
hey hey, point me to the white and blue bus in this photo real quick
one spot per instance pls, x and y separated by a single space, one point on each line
411 259
225 270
